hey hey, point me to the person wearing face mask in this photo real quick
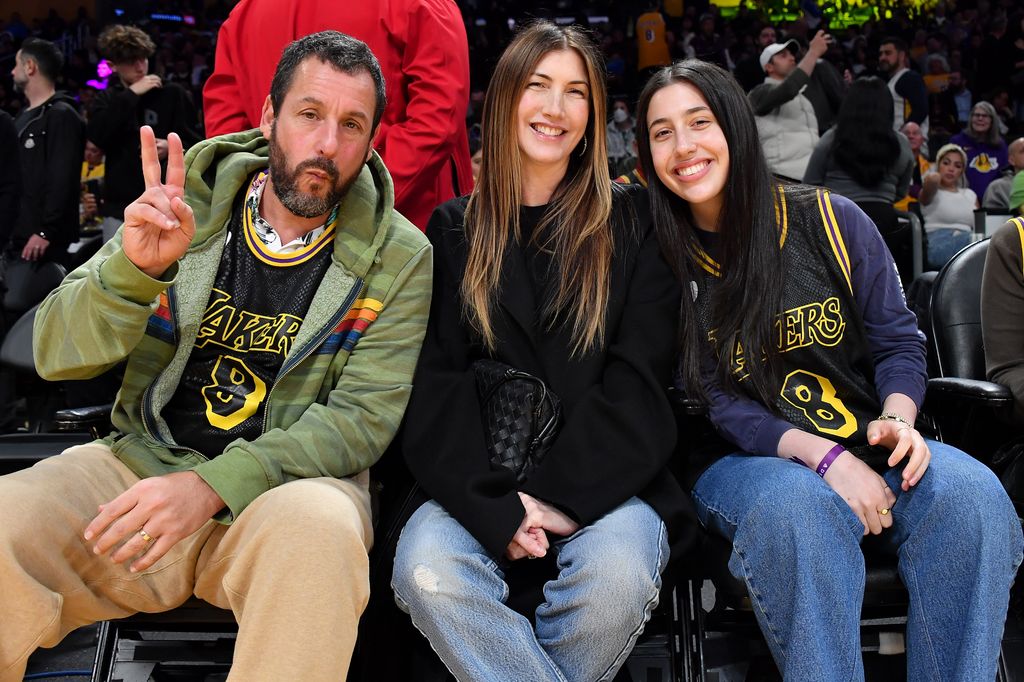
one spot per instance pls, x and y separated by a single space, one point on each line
621 139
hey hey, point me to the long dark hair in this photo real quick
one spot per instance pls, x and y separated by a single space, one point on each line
748 300
865 144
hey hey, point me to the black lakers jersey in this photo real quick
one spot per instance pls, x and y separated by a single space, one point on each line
256 307
827 372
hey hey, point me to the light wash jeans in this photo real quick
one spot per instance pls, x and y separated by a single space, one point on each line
609 576
796 543
944 243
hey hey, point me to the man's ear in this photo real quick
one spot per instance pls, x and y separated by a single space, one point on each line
267 117
373 143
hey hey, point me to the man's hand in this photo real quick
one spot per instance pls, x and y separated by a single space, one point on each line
168 508
819 44
904 442
145 84
159 226
35 247
866 492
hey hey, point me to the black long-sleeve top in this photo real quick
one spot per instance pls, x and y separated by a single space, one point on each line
619 431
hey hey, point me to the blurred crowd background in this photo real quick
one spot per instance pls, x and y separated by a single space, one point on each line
972 45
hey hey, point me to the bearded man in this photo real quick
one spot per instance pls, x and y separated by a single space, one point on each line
270 304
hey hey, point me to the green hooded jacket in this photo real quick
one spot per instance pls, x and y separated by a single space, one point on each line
340 394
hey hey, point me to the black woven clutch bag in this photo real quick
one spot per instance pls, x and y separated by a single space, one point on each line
521 416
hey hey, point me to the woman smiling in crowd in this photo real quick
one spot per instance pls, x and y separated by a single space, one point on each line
795 331
549 269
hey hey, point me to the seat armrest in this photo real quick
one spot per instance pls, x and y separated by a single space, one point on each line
683 405
946 390
82 418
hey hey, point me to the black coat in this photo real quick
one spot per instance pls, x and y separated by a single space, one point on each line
51 139
618 432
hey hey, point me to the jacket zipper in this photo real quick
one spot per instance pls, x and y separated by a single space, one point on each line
313 344
28 124
146 407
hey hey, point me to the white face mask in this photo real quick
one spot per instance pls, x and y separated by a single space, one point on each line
620 116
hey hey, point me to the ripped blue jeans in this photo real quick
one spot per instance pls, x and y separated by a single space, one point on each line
609 577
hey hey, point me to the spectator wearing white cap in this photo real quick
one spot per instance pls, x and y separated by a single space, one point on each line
786 122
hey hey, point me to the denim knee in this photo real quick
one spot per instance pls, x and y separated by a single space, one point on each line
436 558
614 566
808 519
965 496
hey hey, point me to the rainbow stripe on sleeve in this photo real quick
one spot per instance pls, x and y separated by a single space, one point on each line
160 324
352 327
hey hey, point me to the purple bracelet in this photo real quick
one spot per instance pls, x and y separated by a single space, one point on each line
827 460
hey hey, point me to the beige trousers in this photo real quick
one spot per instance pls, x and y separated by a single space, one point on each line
293 568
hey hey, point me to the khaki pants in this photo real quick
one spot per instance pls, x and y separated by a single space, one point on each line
293 568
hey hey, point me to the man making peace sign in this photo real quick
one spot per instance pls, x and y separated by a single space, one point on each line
270 305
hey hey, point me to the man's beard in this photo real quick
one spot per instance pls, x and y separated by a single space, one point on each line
19 86
285 184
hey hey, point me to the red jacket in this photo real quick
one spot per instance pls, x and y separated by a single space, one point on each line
423 52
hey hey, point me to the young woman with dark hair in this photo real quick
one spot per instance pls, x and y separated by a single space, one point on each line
947 205
865 160
796 333
550 269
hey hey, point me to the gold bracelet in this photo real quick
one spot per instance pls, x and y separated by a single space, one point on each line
893 417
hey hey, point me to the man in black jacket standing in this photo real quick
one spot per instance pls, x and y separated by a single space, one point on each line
134 99
51 141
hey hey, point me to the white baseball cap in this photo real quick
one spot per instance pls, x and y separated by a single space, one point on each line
775 48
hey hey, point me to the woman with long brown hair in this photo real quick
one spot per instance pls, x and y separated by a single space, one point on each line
549 269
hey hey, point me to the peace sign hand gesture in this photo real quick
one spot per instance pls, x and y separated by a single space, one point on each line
159 225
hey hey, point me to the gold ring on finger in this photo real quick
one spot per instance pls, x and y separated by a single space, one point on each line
883 512
147 538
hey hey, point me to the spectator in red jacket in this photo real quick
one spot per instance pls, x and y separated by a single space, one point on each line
423 51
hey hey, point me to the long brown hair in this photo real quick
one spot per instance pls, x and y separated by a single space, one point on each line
580 236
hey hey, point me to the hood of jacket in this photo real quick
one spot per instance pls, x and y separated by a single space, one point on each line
216 168
61 96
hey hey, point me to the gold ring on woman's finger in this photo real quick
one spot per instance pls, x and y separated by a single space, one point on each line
884 511
146 537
